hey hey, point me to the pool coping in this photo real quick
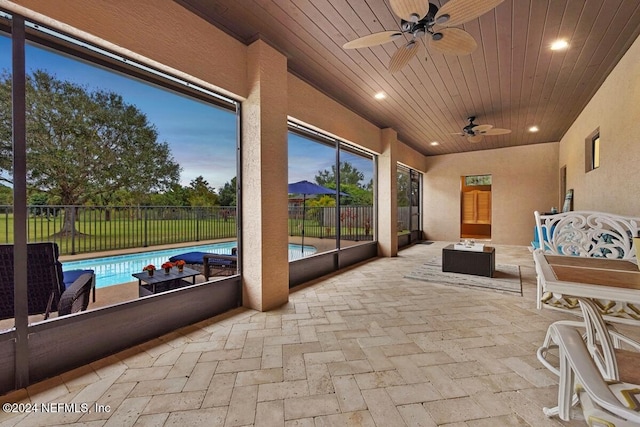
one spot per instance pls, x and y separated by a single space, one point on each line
139 250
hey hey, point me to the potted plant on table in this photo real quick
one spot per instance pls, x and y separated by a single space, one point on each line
167 267
180 264
149 269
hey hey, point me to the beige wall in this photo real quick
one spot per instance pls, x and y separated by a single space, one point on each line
168 35
615 109
524 179
308 105
410 157
264 181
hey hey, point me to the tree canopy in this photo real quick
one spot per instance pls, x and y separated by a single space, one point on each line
6 195
403 188
228 193
83 143
350 183
201 193
348 175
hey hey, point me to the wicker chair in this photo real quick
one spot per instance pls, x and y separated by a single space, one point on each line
46 291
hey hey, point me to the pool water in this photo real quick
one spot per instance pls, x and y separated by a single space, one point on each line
114 270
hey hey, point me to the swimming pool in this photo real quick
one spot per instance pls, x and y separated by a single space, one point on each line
114 270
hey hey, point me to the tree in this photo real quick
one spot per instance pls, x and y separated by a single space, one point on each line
228 193
6 195
350 183
403 188
176 196
356 195
83 143
348 175
201 194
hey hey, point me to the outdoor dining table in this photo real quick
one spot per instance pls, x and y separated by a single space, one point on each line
588 277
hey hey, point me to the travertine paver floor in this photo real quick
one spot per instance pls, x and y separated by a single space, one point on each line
364 347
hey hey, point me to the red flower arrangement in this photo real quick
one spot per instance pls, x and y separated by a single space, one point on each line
167 265
149 269
180 264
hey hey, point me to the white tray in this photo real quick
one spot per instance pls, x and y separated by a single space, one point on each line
478 247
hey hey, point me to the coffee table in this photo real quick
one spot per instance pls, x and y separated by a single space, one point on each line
173 279
479 263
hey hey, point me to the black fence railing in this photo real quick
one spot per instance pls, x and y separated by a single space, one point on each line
82 229
356 222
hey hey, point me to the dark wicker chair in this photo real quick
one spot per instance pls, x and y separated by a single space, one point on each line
219 265
46 291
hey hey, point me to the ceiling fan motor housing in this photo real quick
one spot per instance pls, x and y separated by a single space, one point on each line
468 129
420 26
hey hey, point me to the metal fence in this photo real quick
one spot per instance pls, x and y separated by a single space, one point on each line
408 218
101 228
356 222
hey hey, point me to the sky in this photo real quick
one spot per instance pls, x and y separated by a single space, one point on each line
201 136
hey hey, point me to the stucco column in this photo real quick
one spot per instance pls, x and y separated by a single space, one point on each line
264 180
388 194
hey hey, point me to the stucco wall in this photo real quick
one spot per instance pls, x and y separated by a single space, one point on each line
311 107
615 109
164 32
524 179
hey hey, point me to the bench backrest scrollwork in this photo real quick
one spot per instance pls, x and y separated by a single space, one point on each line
587 233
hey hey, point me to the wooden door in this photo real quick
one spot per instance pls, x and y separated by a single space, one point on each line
475 209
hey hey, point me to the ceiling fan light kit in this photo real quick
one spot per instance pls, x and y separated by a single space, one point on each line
476 133
418 18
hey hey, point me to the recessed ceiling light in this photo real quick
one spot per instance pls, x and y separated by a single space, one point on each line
380 95
534 129
559 45
435 143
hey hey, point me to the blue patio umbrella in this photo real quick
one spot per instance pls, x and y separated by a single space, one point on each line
309 188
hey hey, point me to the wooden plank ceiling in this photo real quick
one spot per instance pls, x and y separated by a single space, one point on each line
512 80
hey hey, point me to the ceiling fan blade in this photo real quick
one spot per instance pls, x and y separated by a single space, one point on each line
481 128
402 56
496 131
374 39
453 41
474 138
457 12
410 10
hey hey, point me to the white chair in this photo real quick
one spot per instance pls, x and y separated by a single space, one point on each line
609 348
602 403
599 347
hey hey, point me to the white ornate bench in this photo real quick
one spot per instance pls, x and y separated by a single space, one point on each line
588 234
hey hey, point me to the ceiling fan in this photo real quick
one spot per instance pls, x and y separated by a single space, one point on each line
475 133
419 18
